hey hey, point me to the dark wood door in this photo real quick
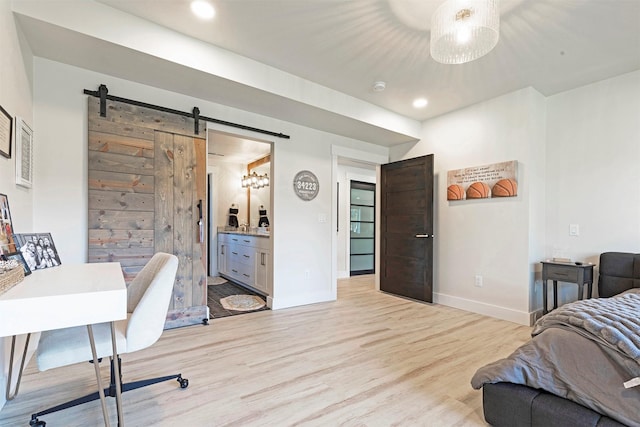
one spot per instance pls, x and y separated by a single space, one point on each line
406 224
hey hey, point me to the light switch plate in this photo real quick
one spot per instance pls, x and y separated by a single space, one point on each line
574 230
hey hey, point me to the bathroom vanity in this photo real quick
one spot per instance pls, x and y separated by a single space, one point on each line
243 257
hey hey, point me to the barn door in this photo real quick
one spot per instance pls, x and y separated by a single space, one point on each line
147 191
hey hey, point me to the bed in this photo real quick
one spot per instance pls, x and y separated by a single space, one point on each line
572 371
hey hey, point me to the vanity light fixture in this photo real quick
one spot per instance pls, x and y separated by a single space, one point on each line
255 181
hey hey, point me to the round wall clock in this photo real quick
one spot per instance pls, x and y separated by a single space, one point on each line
305 185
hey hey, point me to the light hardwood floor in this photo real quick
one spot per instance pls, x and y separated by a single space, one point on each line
367 359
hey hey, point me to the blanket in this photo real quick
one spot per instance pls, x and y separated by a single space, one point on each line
611 322
582 357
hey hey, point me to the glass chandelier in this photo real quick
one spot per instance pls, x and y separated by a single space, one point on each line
255 181
464 30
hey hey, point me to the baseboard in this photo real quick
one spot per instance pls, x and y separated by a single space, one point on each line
288 302
520 317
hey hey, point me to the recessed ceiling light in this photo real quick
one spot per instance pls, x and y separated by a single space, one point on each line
202 9
420 103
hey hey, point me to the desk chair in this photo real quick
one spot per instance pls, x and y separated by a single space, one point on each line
148 297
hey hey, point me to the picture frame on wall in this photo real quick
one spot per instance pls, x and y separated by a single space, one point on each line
7 244
18 257
38 250
24 154
6 128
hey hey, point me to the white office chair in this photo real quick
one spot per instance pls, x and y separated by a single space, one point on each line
148 297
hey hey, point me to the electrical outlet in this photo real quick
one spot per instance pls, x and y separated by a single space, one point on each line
574 230
478 281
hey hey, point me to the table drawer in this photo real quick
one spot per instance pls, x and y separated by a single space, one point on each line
565 274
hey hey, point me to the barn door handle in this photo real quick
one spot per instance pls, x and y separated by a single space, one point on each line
423 236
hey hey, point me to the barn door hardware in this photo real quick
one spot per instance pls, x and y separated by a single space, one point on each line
196 120
200 222
102 93
102 90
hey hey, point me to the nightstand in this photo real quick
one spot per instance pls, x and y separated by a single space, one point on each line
565 272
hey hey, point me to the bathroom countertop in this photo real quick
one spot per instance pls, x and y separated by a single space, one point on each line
245 233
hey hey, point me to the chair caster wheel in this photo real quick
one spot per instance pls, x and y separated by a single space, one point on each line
184 383
205 321
37 423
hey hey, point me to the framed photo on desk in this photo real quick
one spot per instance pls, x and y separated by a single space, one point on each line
38 250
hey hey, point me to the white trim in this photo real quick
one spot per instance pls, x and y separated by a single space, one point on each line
363 156
278 303
520 317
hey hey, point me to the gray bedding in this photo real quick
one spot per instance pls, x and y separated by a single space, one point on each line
584 352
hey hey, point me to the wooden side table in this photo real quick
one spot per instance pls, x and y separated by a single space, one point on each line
565 272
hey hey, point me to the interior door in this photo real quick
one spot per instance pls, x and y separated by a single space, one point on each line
147 193
406 228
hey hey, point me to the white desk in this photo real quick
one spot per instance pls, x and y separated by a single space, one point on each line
64 296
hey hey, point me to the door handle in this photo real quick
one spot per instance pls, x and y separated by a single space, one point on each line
423 236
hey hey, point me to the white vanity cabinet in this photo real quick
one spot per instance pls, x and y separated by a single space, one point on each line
222 253
244 258
262 270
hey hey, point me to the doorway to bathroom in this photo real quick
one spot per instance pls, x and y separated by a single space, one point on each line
239 238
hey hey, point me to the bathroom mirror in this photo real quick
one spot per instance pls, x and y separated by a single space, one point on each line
260 196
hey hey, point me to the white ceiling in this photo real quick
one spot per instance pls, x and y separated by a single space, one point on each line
345 46
232 149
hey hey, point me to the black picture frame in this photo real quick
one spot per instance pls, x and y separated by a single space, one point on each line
6 133
33 246
18 257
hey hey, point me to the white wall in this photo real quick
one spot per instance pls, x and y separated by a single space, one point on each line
16 99
487 237
301 243
593 172
578 157
228 190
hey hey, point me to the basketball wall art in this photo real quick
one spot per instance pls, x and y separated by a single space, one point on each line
483 182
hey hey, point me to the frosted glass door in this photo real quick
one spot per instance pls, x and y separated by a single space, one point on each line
362 225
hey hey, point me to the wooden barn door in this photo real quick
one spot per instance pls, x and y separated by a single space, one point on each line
147 188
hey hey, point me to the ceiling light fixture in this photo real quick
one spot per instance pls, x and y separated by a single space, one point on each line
420 103
202 9
464 30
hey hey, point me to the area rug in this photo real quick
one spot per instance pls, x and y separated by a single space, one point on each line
242 302
216 280
216 293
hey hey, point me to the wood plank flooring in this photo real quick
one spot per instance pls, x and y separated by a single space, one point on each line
367 359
